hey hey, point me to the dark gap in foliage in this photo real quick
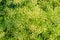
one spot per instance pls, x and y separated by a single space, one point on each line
26 38
2 14
38 2
18 5
9 33
30 7
44 8
46 38
13 25
19 30
41 36
24 3
17 39
47 0
53 24
49 32
2 5
3 2
5 29
32 21
3 17
32 39
54 4
2 21
58 37
13 6
27 29
1 8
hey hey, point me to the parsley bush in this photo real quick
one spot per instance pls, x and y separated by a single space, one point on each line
29 19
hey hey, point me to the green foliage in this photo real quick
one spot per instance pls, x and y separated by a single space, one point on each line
29 20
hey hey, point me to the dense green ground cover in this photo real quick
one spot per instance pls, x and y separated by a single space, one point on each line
29 19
